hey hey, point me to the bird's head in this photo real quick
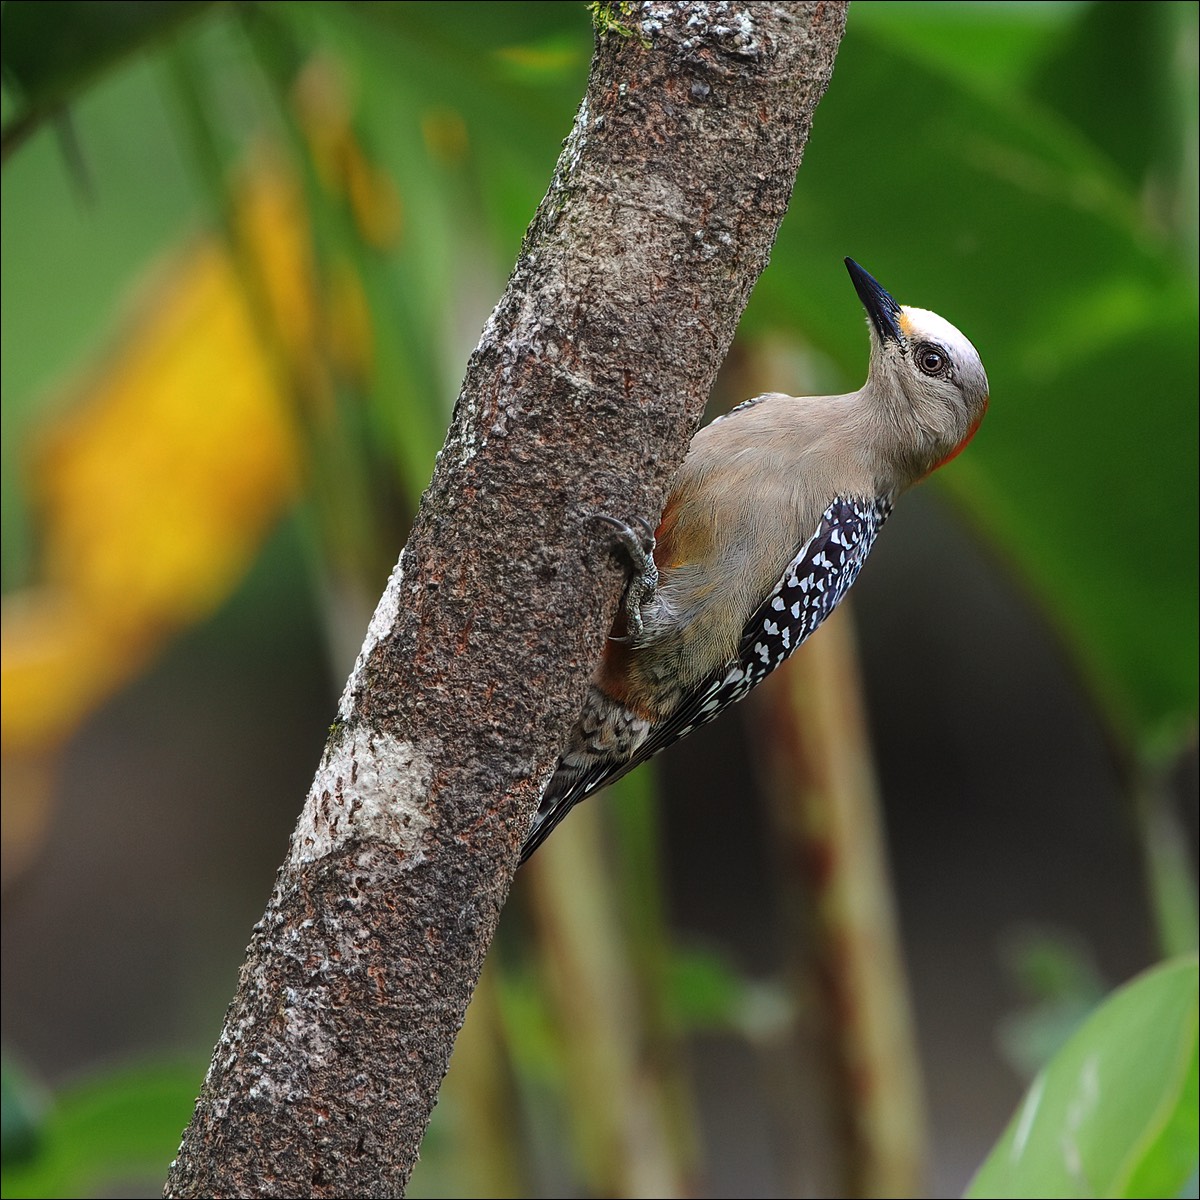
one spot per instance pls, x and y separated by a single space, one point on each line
926 378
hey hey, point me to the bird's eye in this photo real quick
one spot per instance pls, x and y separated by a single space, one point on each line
931 361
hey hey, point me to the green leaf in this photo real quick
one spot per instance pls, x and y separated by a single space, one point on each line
1002 216
1062 986
52 49
993 45
120 1126
464 108
71 263
1138 122
705 992
1115 1112
21 1110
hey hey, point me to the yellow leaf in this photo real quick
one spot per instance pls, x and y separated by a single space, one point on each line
154 491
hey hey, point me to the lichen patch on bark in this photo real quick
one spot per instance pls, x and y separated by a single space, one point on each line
382 622
369 787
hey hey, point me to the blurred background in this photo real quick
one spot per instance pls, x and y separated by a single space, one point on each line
820 950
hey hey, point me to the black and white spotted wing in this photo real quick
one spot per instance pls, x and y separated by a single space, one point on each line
810 589
813 585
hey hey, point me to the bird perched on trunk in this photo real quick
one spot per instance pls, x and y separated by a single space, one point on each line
772 513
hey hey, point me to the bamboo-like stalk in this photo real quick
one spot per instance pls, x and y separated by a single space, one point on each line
346 537
641 890
829 835
488 1157
620 1115
1166 864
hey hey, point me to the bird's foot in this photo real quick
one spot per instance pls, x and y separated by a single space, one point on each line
638 547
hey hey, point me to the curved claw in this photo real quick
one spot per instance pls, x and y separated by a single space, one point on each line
624 528
647 528
643 580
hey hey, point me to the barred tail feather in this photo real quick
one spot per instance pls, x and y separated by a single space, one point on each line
565 789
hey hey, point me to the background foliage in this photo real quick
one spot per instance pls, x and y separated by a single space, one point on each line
246 250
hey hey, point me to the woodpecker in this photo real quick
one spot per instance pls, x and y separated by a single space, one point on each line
769 520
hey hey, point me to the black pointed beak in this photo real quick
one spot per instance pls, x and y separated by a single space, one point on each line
881 308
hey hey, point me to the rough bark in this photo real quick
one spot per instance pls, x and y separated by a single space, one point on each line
580 398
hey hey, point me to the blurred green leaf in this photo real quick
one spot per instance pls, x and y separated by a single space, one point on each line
996 45
121 1126
463 108
52 48
704 991
72 264
1061 986
1113 76
1127 78
22 1104
1115 1112
1004 218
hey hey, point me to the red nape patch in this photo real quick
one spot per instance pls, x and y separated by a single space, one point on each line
961 445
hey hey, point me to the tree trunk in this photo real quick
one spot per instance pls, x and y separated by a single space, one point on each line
588 380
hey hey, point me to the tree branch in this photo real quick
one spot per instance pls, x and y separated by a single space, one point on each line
587 383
